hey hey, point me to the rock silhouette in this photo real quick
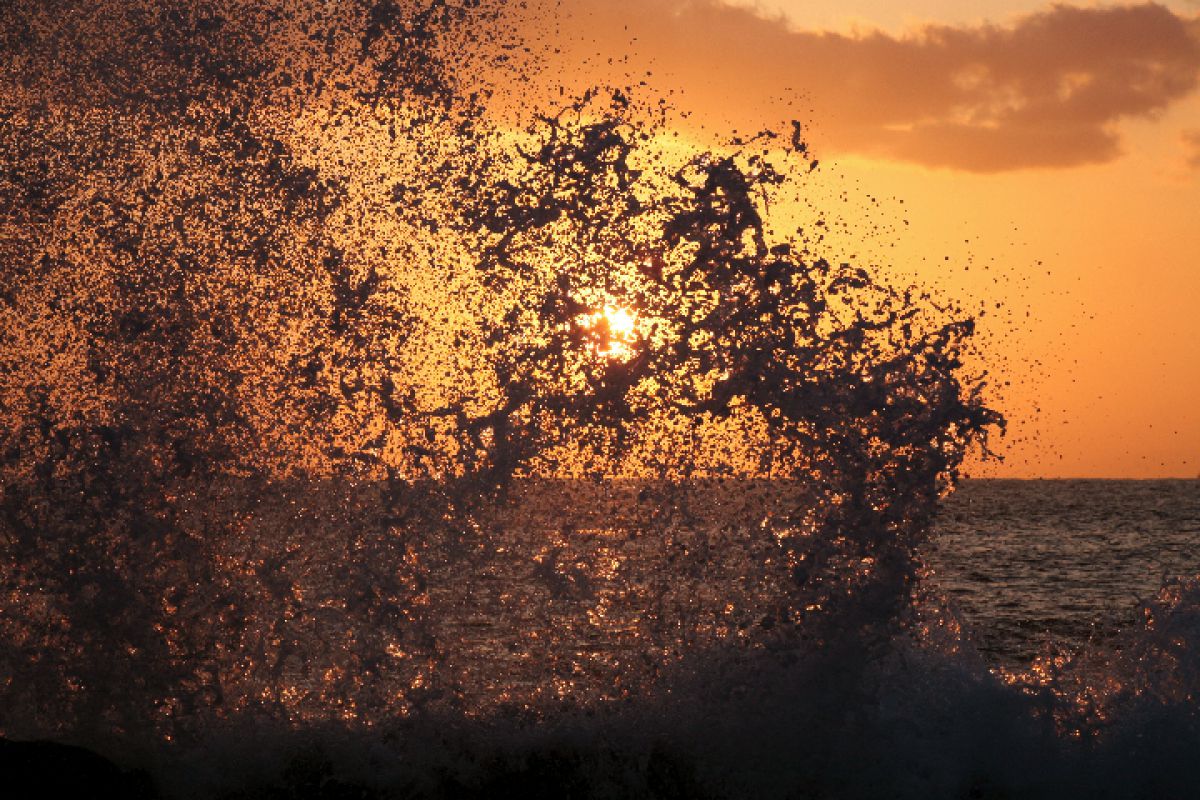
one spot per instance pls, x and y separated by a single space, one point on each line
47 770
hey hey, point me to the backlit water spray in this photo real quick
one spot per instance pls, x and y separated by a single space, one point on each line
436 439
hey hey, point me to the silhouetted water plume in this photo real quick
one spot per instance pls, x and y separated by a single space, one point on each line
348 387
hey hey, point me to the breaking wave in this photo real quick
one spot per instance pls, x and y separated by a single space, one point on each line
377 422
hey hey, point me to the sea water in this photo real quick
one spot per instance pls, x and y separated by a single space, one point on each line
1060 563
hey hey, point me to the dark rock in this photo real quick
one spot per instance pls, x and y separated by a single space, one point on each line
46 770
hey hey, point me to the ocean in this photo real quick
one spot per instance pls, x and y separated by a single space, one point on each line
1043 564
578 587
624 639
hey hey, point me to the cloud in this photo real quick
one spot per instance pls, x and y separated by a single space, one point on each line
1047 90
1191 145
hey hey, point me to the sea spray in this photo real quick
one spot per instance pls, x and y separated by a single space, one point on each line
435 444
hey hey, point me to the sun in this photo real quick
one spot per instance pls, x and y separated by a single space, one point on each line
620 326
621 323
614 332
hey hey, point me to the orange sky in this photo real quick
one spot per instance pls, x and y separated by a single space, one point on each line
1046 157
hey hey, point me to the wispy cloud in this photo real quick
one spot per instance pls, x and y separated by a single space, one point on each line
1047 90
1191 145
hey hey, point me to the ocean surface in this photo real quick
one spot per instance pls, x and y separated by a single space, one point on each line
584 590
1039 564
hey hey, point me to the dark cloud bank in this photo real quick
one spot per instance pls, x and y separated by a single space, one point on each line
1045 91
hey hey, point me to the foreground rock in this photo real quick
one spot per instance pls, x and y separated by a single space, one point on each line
43 770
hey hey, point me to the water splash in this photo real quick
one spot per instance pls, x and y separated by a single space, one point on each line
340 391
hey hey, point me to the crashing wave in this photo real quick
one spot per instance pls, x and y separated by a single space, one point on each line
350 398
